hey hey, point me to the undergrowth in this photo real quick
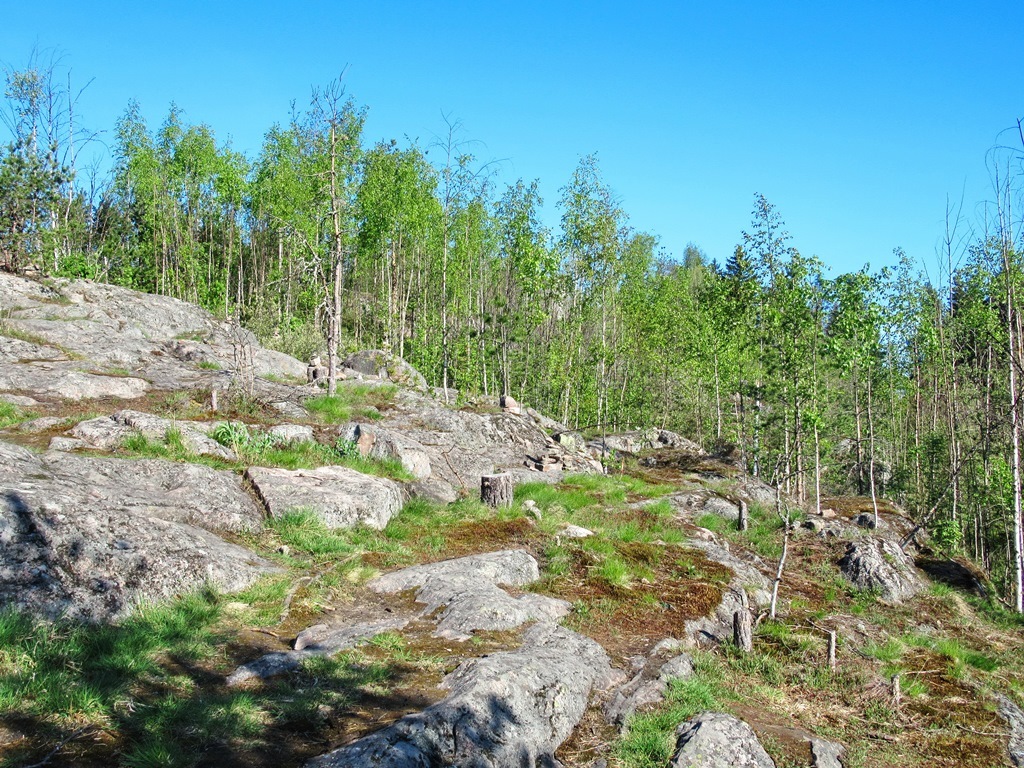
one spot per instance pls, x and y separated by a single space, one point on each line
351 401
257 448
149 688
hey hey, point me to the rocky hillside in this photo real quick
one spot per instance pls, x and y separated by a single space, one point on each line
204 560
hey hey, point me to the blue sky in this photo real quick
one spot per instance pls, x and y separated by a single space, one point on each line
857 120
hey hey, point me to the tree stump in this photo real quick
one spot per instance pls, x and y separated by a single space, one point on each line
832 650
742 631
743 523
497 490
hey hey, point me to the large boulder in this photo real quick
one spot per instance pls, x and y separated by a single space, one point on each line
718 740
880 564
468 591
378 443
377 362
91 538
506 710
339 496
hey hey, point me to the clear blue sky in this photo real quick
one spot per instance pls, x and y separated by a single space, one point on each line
857 120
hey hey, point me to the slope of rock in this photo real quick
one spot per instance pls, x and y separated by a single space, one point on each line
92 538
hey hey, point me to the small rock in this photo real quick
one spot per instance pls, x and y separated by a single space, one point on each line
576 531
826 754
24 402
41 424
866 520
310 636
718 740
289 409
510 405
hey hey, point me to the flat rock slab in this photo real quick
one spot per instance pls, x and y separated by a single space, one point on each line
718 740
468 591
330 641
508 710
65 381
90 538
339 496
881 564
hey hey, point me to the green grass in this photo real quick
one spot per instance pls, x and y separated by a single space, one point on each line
209 365
11 414
959 656
12 332
889 651
261 449
650 738
150 683
351 400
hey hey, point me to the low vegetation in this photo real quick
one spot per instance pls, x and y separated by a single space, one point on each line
151 689
258 448
364 401
11 414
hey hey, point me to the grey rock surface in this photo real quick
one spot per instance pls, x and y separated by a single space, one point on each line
461 446
339 496
1014 718
718 740
747 578
91 538
880 564
467 588
90 340
292 433
379 443
508 710
639 440
64 380
826 754
695 501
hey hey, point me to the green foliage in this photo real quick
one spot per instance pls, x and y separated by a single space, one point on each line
351 400
649 738
11 414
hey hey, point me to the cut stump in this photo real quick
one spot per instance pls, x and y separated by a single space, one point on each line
497 490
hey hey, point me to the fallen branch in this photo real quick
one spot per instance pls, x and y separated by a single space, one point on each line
53 752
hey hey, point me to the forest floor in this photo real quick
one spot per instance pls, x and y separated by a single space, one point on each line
151 691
